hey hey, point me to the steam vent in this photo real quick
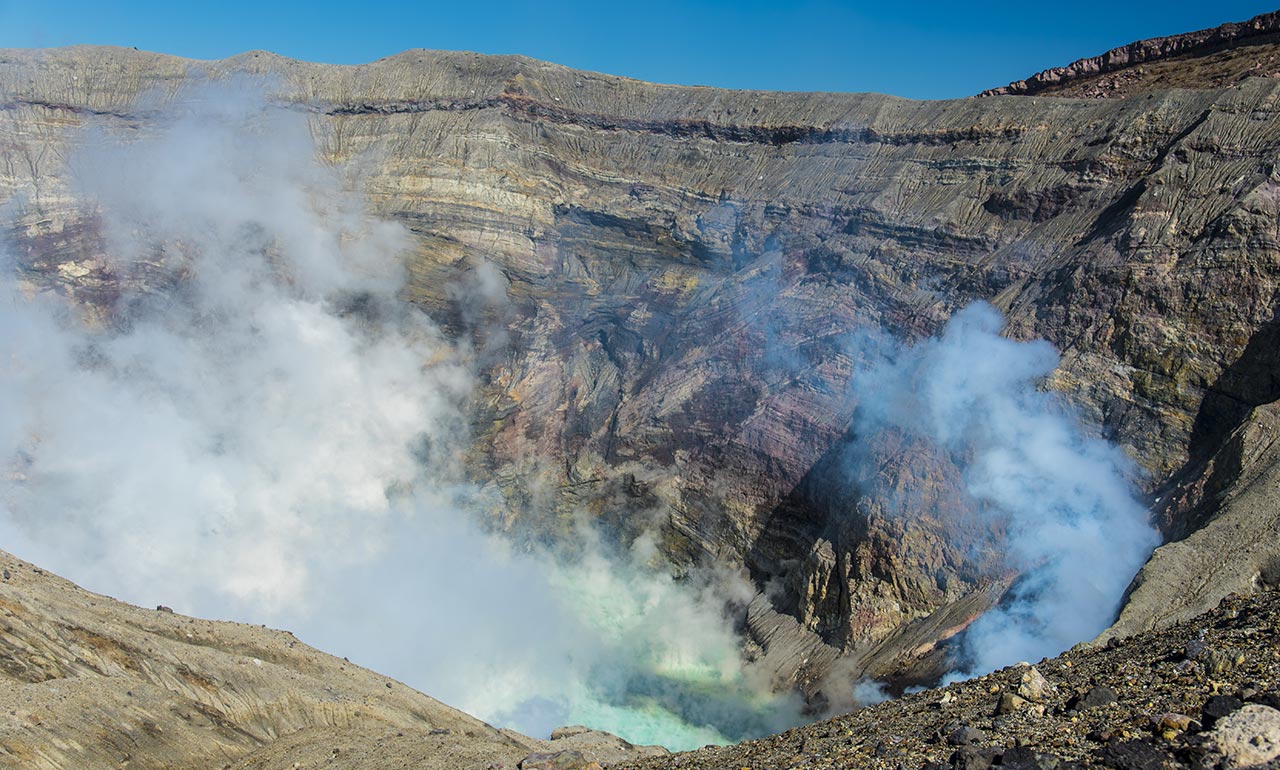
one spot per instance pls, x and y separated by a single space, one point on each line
646 426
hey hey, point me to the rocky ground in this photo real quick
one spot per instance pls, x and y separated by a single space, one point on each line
90 682
1201 694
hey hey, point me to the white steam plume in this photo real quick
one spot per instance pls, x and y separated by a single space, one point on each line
1074 527
241 419
262 430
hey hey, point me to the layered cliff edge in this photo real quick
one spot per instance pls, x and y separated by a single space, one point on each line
1209 58
661 245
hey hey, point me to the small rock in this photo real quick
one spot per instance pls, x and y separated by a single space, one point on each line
1098 696
1218 707
1195 647
162 608
1134 755
963 736
568 731
1033 685
1170 725
1218 662
882 750
1023 758
1009 703
1173 721
1247 737
973 758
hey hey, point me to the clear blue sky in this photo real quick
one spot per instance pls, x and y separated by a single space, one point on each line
923 50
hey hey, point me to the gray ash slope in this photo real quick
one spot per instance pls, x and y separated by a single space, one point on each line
90 682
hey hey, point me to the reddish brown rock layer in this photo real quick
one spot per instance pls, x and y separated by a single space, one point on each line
1209 58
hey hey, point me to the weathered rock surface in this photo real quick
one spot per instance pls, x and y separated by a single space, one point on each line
1216 57
1237 550
91 682
1249 737
682 267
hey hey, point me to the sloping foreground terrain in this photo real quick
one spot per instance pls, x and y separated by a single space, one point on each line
90 682
1200 694
681 269
86 681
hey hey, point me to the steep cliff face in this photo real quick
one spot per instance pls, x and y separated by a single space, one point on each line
681 268
1231 547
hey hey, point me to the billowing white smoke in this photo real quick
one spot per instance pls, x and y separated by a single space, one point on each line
1074 527
244 419
261 430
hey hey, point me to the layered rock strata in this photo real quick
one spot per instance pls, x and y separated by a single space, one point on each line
681 270
1217 57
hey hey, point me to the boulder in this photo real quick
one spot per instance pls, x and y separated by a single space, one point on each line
1248 737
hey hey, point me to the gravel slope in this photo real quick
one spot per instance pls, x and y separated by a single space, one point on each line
1161 683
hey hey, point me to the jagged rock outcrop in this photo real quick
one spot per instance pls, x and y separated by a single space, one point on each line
1217 57
681 268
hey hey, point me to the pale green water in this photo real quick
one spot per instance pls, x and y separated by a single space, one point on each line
645 725
665 663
